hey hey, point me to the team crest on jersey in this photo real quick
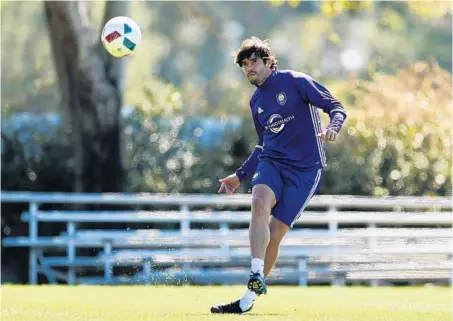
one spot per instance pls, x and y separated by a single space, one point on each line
281 99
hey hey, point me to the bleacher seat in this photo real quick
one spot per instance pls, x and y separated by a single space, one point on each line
371 243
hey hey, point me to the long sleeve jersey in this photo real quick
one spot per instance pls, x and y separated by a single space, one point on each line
285 113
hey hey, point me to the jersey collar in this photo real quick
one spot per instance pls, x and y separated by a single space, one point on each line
267 84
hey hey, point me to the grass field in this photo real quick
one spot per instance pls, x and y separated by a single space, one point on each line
152 303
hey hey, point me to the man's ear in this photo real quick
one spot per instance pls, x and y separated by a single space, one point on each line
268 63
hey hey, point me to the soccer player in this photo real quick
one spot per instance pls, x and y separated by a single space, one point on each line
286 164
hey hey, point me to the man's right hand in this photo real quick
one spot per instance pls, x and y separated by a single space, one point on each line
229 184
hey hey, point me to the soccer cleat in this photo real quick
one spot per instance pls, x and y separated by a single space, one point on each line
257 284
229 308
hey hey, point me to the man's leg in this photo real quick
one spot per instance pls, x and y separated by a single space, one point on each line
277 231
294 197
292 200
267 184
263 200
260 234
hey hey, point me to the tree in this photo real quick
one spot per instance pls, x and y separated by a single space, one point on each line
92 85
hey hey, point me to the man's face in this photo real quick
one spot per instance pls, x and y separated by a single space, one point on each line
255 69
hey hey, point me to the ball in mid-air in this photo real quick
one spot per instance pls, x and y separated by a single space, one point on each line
121 36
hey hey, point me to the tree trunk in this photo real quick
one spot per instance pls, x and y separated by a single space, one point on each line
91 84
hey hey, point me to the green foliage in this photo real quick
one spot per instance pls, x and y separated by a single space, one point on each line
156 158
336 7
160 99
397 140
170 154
28 80
37 160
183 71
429 10
405 35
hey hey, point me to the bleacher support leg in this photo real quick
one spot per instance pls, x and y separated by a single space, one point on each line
71 253
339 279
33 257
147 267
185 222
108 271
302 269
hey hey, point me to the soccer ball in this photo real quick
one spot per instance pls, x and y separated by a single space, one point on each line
121 36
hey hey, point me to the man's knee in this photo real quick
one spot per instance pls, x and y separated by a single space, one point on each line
260 203
263 200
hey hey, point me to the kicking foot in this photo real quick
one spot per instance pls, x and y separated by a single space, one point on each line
229 308
257 284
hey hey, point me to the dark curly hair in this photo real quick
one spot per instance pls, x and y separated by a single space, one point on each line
255 45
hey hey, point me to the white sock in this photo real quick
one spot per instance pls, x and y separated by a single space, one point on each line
258 266
247 300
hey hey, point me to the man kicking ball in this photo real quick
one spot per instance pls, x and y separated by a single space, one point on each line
286 164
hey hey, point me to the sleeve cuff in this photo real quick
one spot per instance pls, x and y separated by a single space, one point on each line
241 175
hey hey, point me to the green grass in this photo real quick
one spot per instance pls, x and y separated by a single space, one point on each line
166 303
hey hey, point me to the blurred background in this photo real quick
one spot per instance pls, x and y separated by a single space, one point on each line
175 117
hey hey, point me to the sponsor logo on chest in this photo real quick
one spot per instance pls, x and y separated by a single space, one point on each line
276 123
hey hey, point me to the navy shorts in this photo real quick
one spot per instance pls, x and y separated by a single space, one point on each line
293 188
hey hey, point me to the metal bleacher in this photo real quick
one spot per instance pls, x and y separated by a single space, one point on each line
339 240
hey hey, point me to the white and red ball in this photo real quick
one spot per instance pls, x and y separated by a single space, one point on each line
121 36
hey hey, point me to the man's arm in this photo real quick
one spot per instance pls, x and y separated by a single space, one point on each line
250 165
318 96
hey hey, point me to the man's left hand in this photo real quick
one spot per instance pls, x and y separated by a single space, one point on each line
328 135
